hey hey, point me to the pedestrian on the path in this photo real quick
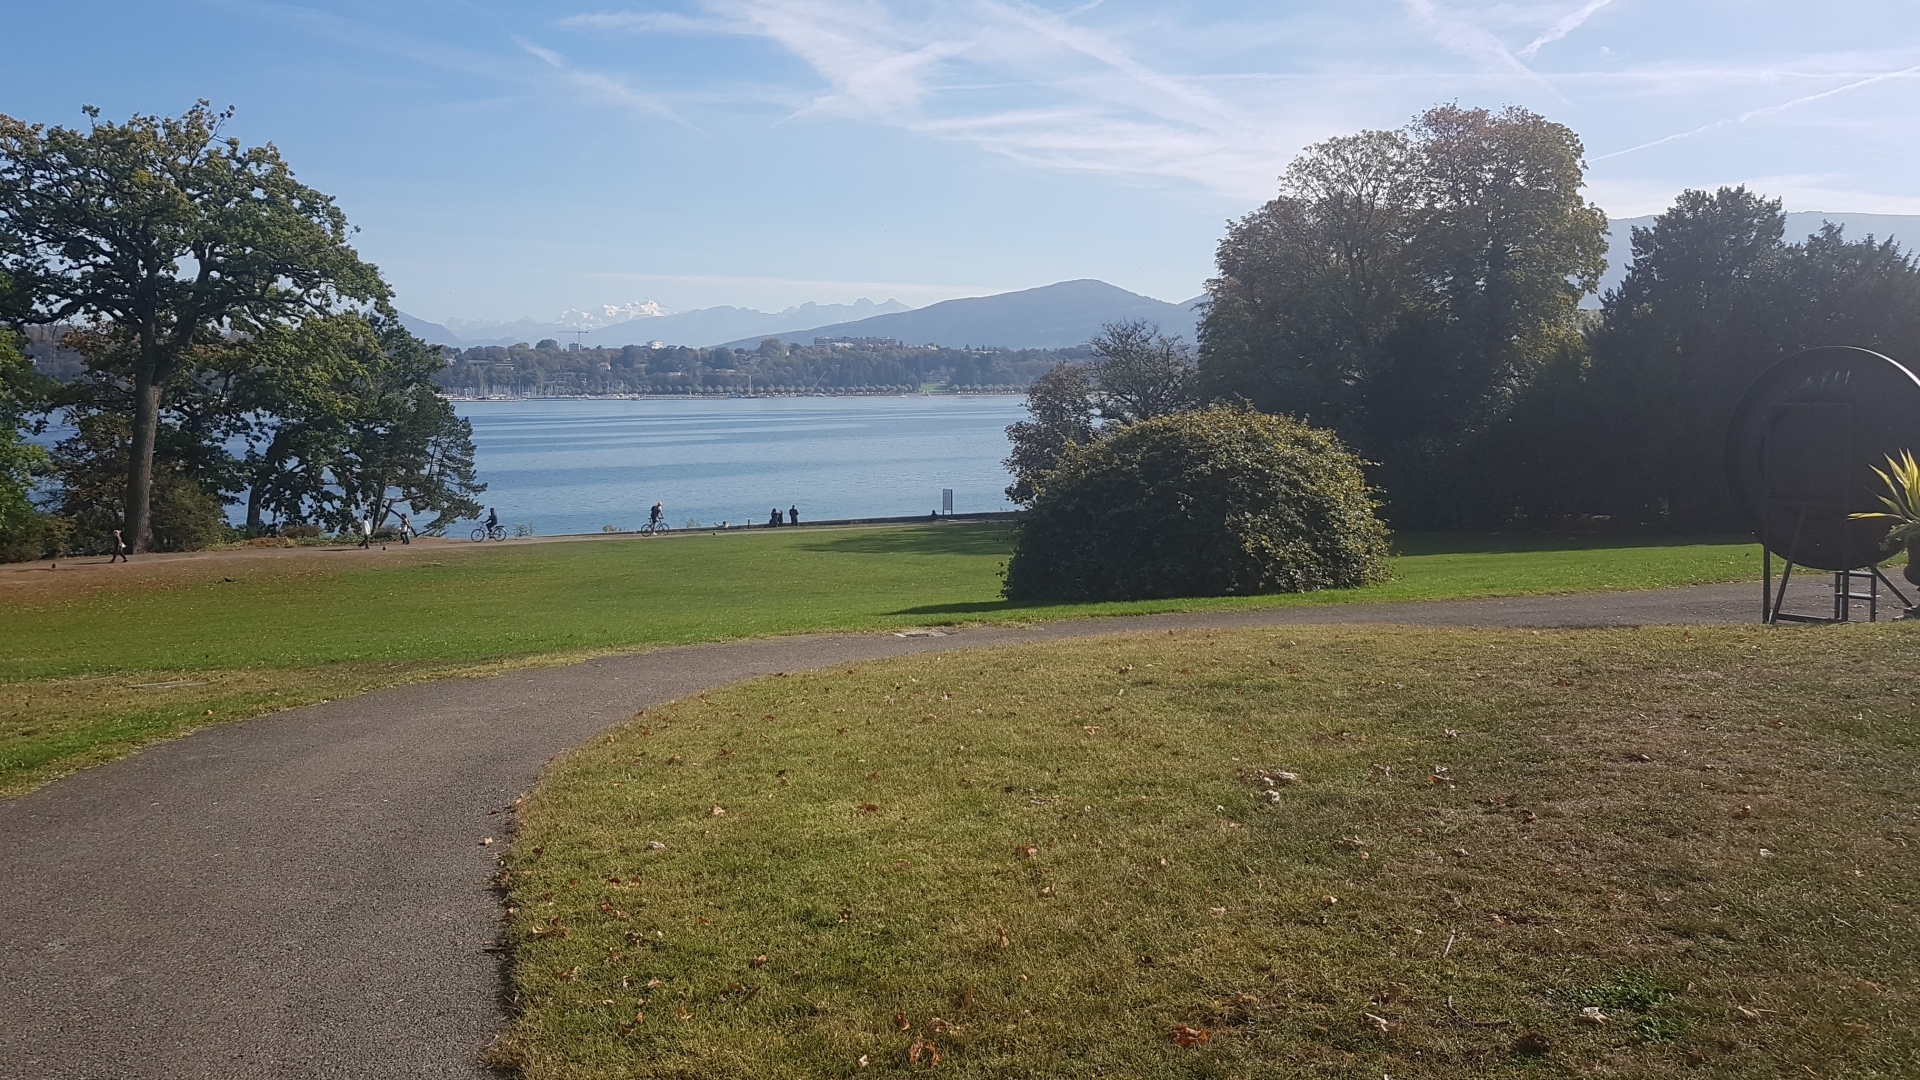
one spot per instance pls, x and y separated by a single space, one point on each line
119 549
793 515
406 529
366 532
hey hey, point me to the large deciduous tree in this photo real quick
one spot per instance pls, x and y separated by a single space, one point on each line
172 240
1404 284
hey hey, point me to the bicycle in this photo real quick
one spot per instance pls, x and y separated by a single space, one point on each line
498 532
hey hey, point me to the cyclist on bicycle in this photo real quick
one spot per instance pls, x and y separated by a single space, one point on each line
653 517
493 519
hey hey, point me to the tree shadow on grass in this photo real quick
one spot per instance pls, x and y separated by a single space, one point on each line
1413 543
988 539
978 607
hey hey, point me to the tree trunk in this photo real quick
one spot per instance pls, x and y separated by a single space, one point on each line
146 423
270 466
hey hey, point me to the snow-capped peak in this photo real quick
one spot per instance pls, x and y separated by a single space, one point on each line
609 314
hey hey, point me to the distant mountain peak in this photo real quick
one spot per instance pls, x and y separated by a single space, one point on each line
609 314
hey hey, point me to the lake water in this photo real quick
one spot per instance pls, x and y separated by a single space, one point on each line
571 466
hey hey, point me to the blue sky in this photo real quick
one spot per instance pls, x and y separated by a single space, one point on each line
514 159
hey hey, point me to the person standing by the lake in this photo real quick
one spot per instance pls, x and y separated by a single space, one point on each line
773 521
119 549
793 514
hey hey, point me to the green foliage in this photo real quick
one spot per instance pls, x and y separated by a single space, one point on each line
1630 429
1139 373
21 391
1902 500
1221 502
1060 411
1406 284
171 240
186 517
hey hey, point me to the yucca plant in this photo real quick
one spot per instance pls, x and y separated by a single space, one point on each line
1902 501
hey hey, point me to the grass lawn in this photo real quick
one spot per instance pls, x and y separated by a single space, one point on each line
96 663
1630 853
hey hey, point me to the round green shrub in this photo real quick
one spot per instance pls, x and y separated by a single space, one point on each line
1215 503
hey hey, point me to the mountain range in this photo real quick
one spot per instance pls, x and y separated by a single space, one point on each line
1055 316
1060 315
643 321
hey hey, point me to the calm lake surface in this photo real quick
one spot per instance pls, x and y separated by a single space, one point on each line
572 466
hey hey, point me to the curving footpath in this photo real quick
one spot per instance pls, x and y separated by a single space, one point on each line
306 894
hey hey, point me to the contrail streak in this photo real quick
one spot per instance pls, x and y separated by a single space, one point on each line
1770 110
1567 25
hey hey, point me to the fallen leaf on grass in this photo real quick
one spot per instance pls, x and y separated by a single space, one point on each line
1091 730
1592 1015
1026 851
1744 812
920 1047
1046 892
901 1022
1380 1025
655 845
1000 934
1217 912
869 808
718 811
1190 1036
758 961
1394 992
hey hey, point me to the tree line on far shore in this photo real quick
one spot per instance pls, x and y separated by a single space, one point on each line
1418 292
549 369
230 345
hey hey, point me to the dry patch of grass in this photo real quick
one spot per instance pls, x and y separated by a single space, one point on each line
50 728
1600 853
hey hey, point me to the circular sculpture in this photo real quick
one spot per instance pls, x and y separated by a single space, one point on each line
1802 446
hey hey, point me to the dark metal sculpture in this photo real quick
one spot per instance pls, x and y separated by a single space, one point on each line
1800 453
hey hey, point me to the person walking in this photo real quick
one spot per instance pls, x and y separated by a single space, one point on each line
119 549
366 532
793 515
406 529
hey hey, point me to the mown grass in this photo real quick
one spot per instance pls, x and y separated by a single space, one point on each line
94 664
1046 861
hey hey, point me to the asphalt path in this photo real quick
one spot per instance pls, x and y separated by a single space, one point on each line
307 894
